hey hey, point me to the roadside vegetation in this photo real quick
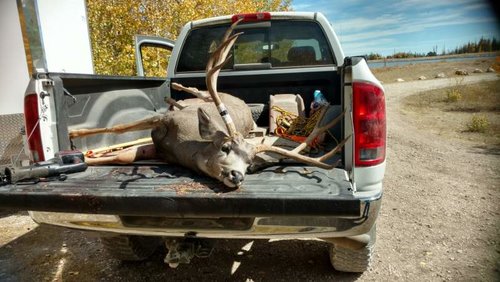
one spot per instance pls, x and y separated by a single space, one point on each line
413 71
454 94
478 123
479 46
469 112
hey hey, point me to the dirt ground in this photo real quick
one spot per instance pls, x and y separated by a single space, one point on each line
450 112
439 221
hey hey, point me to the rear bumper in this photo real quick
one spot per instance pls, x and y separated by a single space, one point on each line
215 227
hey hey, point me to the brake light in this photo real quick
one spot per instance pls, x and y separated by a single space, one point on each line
252 17
32 124
369 124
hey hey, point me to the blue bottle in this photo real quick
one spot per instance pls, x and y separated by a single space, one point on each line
318 101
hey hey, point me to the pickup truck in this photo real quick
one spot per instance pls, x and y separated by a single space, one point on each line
136 208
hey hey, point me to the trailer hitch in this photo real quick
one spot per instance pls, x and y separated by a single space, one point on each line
183 250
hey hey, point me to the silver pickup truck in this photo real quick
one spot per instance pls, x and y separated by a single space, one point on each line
138 207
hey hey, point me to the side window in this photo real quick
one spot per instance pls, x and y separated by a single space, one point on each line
155 60
152 54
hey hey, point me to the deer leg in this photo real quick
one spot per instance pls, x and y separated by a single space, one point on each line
125 156
148 123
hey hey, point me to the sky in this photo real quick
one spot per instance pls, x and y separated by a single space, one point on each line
391 26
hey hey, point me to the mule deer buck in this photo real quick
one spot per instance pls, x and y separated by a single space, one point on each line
208 136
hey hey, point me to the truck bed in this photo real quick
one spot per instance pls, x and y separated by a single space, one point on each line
166 190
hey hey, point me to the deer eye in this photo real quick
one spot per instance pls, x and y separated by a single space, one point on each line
226 148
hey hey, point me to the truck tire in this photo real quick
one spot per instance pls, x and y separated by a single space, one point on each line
129 247
353 260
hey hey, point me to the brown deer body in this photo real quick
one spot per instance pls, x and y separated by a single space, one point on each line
195 137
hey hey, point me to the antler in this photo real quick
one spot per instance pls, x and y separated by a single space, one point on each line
215 63
295 153
193 91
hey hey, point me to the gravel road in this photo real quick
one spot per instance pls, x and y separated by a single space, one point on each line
439 221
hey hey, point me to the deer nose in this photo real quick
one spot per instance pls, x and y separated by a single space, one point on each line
237 177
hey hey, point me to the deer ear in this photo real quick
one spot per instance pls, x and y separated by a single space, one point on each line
207 128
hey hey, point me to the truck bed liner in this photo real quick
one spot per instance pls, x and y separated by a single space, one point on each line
166 190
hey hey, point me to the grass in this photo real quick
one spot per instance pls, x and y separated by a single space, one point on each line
481 97
465 111
453 95
478 123
430 70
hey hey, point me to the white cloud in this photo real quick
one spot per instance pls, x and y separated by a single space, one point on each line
389 25
360 48
303 7
433 4
365 25
412 26
359 23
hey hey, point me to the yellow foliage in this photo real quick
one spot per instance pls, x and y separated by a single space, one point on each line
113 24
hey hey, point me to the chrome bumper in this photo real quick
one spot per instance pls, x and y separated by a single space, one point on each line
259 227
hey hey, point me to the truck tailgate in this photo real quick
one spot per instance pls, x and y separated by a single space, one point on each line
165 190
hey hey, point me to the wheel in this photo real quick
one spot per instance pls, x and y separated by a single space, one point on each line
353 259
129 247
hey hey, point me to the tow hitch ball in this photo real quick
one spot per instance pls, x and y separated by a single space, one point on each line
183 250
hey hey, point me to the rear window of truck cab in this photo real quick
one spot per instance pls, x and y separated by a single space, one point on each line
277 44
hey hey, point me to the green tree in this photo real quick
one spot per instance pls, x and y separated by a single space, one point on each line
113 24
374 56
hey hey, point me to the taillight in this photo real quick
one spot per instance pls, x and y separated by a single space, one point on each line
252 17
31 120
369 124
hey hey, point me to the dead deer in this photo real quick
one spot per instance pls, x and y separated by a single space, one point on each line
208 137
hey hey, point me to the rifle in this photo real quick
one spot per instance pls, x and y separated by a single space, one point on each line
63 163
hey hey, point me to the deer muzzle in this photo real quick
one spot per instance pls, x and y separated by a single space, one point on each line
233 179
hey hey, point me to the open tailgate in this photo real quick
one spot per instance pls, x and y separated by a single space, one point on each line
164 190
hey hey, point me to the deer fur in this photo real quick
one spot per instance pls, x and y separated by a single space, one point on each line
196 137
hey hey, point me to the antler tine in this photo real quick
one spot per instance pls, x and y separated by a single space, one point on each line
295 153
215 63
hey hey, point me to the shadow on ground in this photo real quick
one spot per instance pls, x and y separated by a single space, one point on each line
52 253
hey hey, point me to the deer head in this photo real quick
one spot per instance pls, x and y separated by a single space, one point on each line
225 157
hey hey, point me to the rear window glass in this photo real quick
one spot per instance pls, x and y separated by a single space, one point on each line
283 44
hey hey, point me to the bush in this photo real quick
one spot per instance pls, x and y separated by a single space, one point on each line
478 123
453 95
